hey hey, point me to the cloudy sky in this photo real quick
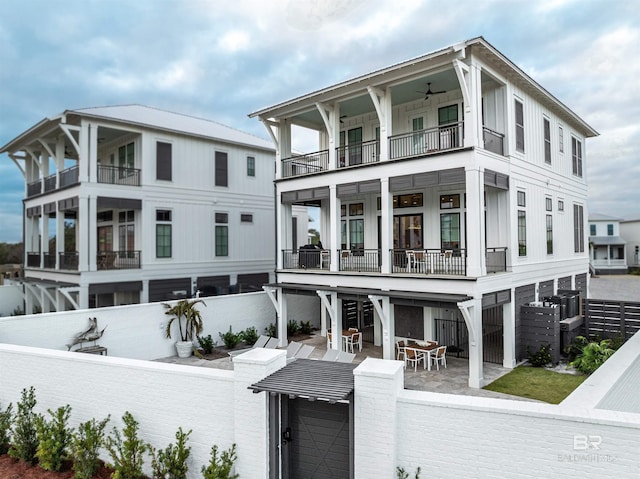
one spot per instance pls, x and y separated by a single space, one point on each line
224 59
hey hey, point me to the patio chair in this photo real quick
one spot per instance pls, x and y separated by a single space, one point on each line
414 356
260 343
293 348
439 357
330 355
354 330
304 351
400 346
272 343
420 261
344 357
355 338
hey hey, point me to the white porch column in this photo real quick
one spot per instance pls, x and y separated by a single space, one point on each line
284 232
59 159
83 296
93 153
44 237
386 225
144 293
384 313
329 300
83 160
475 225
472 313
509 333
334 228
282 318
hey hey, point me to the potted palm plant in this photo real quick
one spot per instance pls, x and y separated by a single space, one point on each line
189 324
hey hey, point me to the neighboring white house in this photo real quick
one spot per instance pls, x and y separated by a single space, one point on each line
630 230
606 245
451 189
128 204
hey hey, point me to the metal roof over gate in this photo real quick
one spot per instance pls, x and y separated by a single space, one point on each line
312 379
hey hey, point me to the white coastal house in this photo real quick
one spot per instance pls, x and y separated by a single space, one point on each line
452 190
630 230
129 204
607 247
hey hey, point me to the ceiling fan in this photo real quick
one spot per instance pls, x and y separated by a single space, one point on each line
429 92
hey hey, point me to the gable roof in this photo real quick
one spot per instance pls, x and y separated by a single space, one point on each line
378 78
601 217
150 117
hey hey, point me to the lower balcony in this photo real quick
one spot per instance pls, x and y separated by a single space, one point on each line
110 260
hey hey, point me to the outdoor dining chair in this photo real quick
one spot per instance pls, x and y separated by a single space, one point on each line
439 357
414 356
400 346
355 338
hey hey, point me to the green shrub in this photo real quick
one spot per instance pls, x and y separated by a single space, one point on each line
541 357
206 343
402 474
126 450
85 448
305 327
220 467
250 335
292 327
171 463
574 349
54 438
25 441
230 339
17 311
6 417
271 330
593 356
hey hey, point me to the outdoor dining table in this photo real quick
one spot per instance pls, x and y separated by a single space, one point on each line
427 348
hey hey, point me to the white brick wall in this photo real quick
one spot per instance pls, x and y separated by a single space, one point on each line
161 397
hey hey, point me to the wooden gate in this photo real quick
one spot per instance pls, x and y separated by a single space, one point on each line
316 440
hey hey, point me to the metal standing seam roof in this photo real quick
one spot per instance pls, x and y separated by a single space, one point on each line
146 116
606 240
310 378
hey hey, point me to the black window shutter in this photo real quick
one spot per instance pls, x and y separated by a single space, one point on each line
163 161
221 169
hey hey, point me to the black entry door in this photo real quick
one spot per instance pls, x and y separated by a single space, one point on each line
316 444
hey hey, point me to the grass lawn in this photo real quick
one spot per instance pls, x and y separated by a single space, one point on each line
537 383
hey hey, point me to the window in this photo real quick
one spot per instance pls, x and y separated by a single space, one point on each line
449 202
560 139
163 161
404 201
560 205
163 234
519 126
251 166
547 141
576 156
221 176
104 216
126 156
450 230
578 228
407 231
549 234
521 199
126 231
222 234
522 233
246 218
609 230
592 230
352 227
548 203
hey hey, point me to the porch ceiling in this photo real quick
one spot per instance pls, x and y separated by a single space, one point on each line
606 240
365 292
313 379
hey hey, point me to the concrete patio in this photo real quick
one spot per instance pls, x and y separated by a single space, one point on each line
452 380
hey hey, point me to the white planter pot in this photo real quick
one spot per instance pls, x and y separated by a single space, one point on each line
184 348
